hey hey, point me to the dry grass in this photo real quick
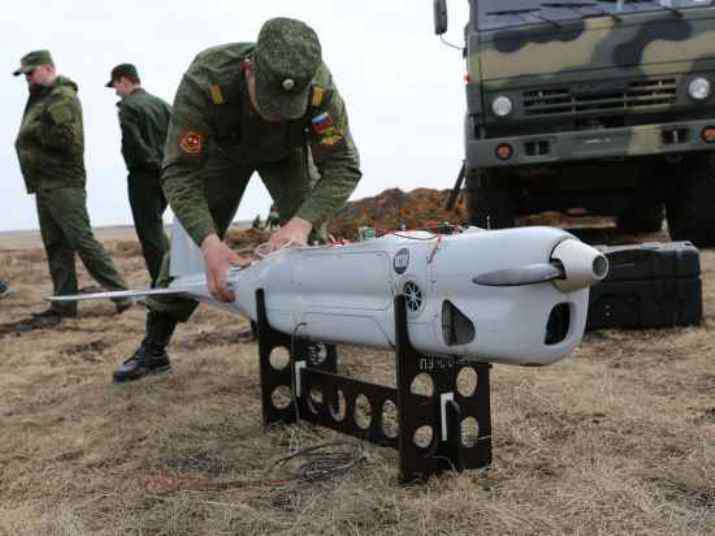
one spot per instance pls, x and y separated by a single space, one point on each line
617 439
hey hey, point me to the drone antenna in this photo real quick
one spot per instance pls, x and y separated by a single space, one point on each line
444 41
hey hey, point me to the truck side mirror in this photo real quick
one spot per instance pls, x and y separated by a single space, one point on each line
440 16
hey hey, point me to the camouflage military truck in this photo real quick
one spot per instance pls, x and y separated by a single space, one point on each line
602 105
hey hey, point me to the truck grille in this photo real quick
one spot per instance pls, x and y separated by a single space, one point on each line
634 94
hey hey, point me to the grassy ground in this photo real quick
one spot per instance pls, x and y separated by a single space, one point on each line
617 439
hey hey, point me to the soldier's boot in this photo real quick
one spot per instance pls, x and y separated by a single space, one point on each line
151 356
54 310
52 316
48 318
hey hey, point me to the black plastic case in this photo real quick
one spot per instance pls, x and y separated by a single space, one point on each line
648 286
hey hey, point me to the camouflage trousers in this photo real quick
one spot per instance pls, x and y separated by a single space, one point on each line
288 181
66 231
148 203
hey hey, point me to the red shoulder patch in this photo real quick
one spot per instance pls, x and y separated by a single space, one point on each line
192 142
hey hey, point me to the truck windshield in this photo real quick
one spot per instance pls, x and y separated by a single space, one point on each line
495 14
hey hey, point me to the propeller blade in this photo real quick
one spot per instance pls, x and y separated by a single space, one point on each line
526 275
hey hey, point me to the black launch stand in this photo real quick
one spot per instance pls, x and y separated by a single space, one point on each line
448 430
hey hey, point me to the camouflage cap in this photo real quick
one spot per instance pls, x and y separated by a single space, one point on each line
34 59
123 69
287 56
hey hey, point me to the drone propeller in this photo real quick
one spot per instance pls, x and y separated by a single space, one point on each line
526 275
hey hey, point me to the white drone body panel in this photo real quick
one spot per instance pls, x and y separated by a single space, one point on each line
345 294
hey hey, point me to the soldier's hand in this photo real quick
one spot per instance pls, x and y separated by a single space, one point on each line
219 258
294 232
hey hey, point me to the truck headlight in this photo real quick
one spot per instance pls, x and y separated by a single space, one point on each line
699 88
501 106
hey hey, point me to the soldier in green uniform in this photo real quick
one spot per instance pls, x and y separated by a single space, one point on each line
50 147
144 120
273 219
268 107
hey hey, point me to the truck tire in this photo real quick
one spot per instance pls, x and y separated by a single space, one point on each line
644 211
705 202
489 200
641 219
680 182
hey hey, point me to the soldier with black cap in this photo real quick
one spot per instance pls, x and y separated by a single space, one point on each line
50 147
144 120
269 107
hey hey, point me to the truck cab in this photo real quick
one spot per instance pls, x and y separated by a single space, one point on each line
600 105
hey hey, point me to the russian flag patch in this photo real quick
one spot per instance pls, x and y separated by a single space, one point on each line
322 123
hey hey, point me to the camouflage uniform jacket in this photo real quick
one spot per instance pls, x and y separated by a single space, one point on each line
144 120
213 118
50 144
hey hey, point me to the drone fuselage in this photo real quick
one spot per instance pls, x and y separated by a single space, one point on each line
345 294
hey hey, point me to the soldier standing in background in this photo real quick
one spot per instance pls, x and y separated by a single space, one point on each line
50 147
273 219
269 107
144 120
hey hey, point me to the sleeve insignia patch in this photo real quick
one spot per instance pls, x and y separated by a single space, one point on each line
191 142
325 129
216 94
331 140
322 123
316 98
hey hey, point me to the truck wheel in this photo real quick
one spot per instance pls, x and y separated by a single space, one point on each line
644 211
705 201
680 200
489 200
641 217
646 220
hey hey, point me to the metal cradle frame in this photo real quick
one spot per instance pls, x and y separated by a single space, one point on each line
435 430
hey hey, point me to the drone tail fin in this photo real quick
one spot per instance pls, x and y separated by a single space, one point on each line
186 257
186 260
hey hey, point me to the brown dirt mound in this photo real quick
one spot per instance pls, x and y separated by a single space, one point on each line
246 238
422 208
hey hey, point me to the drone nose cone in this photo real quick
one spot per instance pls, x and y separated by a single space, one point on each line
583 265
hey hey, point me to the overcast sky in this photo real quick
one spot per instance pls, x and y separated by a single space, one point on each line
404 89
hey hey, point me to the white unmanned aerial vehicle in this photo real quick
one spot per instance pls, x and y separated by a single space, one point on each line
515 296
